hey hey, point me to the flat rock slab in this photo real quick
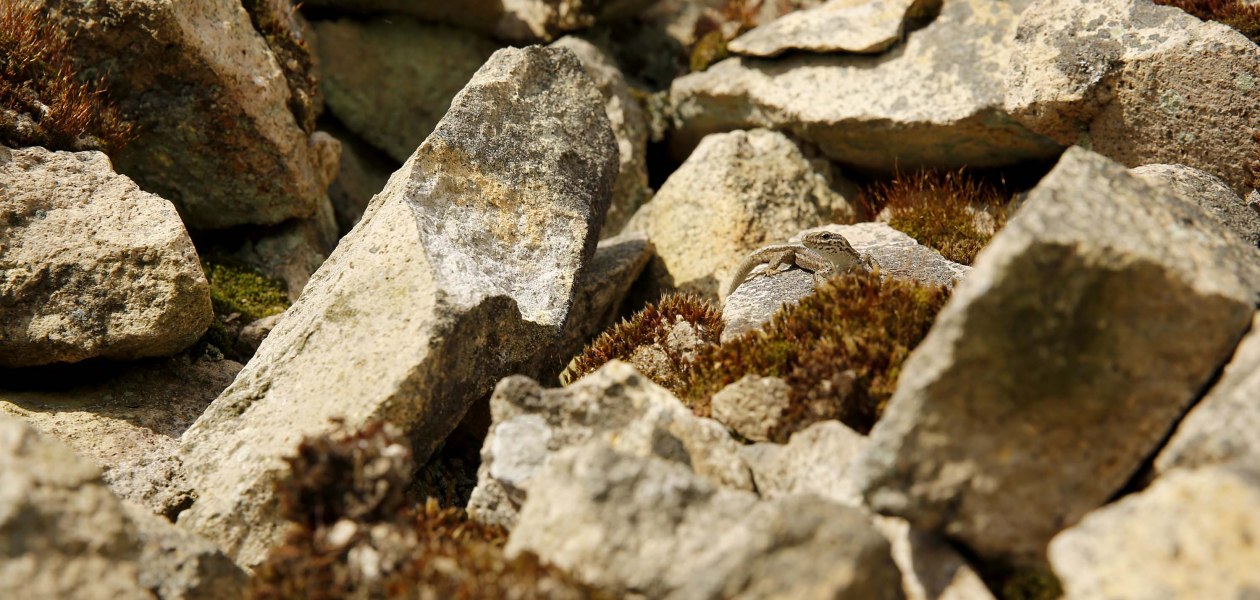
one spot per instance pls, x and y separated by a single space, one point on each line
1138 83
461 272
90 265
1088 325
1190 535
935 101
856 26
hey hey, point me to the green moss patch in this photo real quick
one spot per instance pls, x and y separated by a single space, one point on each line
235 288
951 212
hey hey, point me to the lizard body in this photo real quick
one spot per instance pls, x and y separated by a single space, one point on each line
821 252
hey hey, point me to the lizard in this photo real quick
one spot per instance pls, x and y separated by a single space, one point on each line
823 252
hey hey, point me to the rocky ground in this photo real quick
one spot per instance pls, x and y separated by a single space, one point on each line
409 299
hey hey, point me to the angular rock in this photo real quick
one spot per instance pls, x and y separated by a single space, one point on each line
211 106
752 406
292 251
935 102
737 192
461 272
390 80
1222 427
930 568
1190 535
1085 71
128 421
90 265
363 173
617 263
629 125
856 26
1210 193
760 297
530 425
1088 325
178 564
674 535
816 460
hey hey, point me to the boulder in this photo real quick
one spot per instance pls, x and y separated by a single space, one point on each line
675 535
90 265
856 26
1139 83
1210 193
935 101
461 272
210 104
752 407
530 425
1088 325
1190 535
736 193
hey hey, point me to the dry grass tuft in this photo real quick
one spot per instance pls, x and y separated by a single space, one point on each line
43 101
277 21
1235 13
952 212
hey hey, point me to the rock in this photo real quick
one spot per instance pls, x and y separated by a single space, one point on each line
752 406
90 265
67 536
618 262
1221 428
291 252
814 461
530 425
253 334
915 107
1210 193
127 420
737 192
390 80
1190 535
1060 362
461 272
629 125
363 173
857 26
760 297
1083 72
930 568
678 536
211 105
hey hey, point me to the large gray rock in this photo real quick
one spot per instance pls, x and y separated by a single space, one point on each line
1190 535
737 192
1083 71
210 103
631 524
461 272
90 265
1222 427
857 26
936 101
530 425
1210 193
1088 325
391 80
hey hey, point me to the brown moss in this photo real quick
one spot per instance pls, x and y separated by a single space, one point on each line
1235 13
944 211
840 351
43 99
279 24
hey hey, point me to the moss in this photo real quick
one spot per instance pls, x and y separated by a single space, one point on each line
43 99
277 21
235 288
840 351
1235 13
943 211
1021 582
710 48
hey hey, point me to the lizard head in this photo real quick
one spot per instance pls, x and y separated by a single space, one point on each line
831 245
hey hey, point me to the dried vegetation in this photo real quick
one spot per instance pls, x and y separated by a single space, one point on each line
952 212
1236 13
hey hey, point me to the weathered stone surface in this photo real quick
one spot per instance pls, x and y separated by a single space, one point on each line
652 527
391 80
629 125
752 406
1222 427
760 297
530 425
737 192
90 265
126 420
1089 323
857 26
936 101
617 263
177 564
816 460
462 271
1190 535
930 568
363 173
1210 193
1085 71
211 105
292 251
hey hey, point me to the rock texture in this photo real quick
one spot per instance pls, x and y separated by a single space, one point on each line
617 263
90 265
737 192
857 26
217 136
1138 83
463 271
677 536
936 101
293 251
530 425
1061 361
1210 193
816 460
752 406
363 173
1190 535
